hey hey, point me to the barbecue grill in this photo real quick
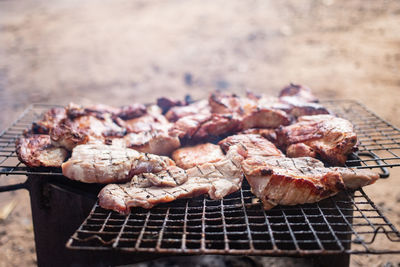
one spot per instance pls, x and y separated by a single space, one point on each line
71 228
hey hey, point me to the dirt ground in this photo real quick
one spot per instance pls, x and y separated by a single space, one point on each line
118 52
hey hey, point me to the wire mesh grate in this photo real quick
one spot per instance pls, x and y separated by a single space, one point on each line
346 223
379 141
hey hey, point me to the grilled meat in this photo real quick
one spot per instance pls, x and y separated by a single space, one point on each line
269 134
150 133
300 108
251 145
188 157
202 126
36 150
81 126
177 112
247 111
301 92
49 120
331 138
166 103
121 198
287 181
99 163
217 179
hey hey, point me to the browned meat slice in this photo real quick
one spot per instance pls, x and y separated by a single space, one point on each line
188 157
301 92
201 126
248 111
177 112
269 134
171 176
80 127
131 111
331 138
158 142
121 198
150 133
166 103
37 151
49 120
356 178
287 181
99 163
300 108
251 145
217 179
300 150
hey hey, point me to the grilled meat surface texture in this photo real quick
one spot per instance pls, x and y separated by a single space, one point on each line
128 144
36 150
326 136
149 133
247 111
216 179
292 181
99 163
251 145
188 157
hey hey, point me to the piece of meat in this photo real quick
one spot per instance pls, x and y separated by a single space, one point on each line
198 107
330 137
188 157
84 129
300 108
300 150
131 111
292 181
356 178
247 111
81 126
166 103
217 179
99 163
301 92
158 142
171 176
150 133
269 134
36 150
251 145
202 126
49 120
121 198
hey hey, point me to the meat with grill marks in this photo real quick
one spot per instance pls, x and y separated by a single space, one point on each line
100 163
216 179
36 150
188 157
292 181
325 136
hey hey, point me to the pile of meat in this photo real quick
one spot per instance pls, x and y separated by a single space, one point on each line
177 149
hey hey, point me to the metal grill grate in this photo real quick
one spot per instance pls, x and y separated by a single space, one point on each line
379 140
347 223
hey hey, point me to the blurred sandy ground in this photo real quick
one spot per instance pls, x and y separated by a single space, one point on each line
118 52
